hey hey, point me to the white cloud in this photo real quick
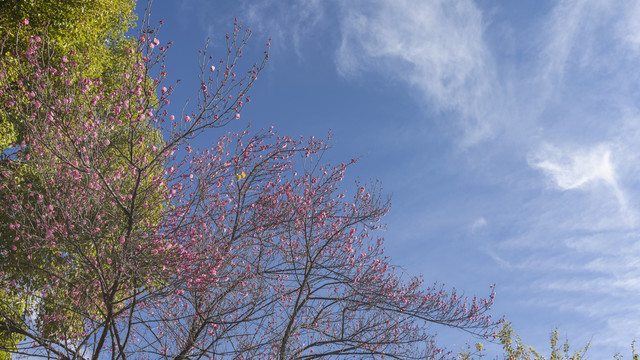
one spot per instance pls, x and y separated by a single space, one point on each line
569 77
629 27
580 168
574 168
594 280
575 43
564 25
502 262
478 224
435 46
289 23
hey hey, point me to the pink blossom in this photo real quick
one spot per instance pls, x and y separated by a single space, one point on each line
226 252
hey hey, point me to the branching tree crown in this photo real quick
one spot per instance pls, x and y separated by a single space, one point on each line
155 249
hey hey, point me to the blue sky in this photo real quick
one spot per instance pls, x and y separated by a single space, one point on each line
505 131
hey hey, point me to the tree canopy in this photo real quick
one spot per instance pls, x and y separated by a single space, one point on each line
90 32
121 239
95 28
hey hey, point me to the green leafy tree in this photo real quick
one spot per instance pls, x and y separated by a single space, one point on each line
515 349
91 33
94 28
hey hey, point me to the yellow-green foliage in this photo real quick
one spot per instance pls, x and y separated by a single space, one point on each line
7 133
10 302
129 143
94 28
515 349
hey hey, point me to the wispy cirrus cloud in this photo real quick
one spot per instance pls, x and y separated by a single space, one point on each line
437 47
564 25
575 168
290 23
567 230
478 224
629 28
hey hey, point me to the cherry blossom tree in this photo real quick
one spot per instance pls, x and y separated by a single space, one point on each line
132 243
